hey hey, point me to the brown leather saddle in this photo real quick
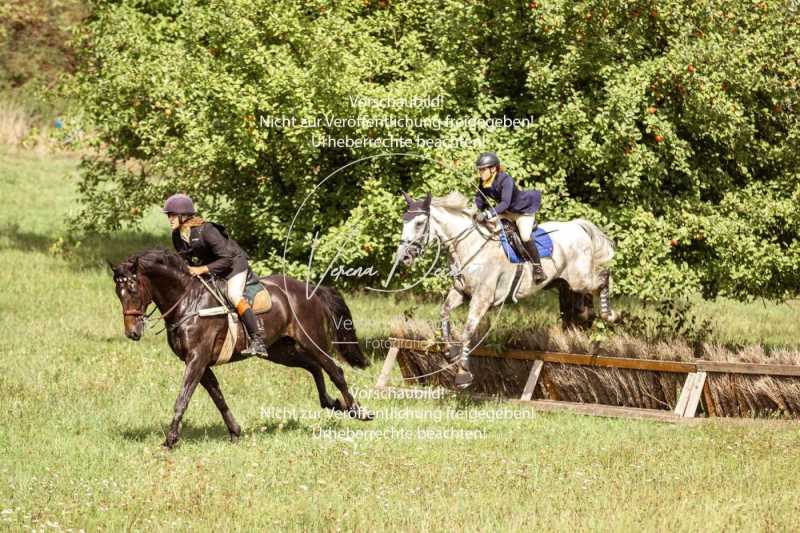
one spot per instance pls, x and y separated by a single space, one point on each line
512 233
255 291
262 301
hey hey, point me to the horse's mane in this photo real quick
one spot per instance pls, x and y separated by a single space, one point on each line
158 257
454 201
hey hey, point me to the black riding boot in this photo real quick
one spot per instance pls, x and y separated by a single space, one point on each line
536 263
255 330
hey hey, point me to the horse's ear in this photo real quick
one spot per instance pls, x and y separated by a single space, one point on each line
408 198
427 202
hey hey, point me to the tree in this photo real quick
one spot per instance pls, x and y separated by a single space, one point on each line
673 124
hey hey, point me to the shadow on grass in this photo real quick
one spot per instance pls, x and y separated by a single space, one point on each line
189 432
215 431
89 251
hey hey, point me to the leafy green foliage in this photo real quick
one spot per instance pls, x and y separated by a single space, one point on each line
672 124
664 322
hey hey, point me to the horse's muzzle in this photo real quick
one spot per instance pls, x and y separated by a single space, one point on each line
406 253
134 331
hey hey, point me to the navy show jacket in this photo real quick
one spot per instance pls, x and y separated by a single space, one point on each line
508 196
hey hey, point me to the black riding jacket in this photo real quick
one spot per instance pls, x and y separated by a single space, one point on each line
210 245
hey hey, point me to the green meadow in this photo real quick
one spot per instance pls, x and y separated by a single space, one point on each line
84 411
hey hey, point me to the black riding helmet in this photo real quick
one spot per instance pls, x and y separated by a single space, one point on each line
487 159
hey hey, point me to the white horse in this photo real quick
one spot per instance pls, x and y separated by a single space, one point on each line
482 272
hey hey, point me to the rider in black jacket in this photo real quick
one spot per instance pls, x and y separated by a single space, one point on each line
208 247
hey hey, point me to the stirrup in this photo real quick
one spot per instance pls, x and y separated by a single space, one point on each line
538 272
256 347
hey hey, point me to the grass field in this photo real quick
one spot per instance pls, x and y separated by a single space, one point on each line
84 412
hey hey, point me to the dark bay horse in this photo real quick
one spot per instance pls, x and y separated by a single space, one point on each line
300 330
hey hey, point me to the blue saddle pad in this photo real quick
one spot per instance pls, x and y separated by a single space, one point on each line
543 243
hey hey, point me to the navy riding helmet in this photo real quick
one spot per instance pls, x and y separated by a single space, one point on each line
487 159
179 204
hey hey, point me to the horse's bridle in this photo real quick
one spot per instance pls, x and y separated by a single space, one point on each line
143 314
140 289
426 236
452 240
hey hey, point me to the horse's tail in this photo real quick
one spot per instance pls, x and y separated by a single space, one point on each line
602 246
342 323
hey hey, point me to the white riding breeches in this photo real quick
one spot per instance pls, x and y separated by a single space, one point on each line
236 287
525 223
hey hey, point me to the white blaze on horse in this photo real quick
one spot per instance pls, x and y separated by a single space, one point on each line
484 274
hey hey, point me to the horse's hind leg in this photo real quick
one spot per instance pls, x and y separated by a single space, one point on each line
584 307
210 383
606 313
566 305
336 374
285 352
325 401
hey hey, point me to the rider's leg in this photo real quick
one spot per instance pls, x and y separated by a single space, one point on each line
526 223
254 328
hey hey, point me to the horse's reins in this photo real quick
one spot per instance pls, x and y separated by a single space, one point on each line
145 316
213 292
453 240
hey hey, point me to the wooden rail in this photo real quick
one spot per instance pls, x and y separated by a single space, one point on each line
695 387
656 365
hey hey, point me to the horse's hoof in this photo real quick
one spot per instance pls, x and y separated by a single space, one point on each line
609 317
234 438
454 352
337 405
463 379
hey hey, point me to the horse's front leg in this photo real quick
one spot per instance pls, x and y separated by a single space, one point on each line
453 300
191 377
209 381
478 307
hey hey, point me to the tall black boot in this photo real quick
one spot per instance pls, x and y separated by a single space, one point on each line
255 330
536 263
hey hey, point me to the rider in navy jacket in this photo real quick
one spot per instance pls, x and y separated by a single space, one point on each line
508 196
512 203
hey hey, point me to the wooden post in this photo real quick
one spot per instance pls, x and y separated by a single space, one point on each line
533 378
690 394
696 394
680 407
388 364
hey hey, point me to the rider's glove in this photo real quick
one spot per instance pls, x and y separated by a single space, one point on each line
484 216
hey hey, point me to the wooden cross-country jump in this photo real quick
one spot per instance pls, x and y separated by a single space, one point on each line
695 388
